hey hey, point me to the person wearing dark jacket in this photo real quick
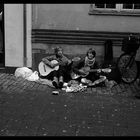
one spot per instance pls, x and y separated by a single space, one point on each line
93 77
58 76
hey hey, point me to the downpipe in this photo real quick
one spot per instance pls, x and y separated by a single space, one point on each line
24 36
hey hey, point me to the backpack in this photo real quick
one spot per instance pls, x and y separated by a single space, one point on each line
129 45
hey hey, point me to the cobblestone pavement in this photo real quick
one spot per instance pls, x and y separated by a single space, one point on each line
29 109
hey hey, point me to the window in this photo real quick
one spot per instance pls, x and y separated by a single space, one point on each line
131 6
105 6
115 9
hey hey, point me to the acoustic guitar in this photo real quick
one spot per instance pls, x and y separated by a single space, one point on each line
86 70
44 69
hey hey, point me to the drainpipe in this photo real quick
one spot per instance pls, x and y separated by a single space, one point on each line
24 37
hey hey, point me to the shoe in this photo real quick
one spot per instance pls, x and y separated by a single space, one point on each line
55 82
60 85
85 81
61 82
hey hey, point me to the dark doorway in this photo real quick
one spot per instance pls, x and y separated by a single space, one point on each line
2 48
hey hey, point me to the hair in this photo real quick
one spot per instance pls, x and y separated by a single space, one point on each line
57 49
91 51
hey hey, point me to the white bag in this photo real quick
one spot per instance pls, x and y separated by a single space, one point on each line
27 73
33 77
23 72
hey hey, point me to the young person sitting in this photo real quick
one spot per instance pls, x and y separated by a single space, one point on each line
93 77
58 76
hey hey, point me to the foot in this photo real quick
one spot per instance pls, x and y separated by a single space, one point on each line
60 82
55 82
85 81
93 85
60 85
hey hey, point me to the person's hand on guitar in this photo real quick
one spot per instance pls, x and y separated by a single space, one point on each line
82 72
57 64
52 65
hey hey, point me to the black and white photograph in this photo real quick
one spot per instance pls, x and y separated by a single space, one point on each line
70 69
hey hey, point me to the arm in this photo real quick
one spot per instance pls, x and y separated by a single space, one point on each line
76 67
67 61
47 61
95 66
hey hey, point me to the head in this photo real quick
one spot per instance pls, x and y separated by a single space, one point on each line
58 51
91 53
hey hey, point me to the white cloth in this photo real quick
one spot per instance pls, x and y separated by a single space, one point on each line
26 73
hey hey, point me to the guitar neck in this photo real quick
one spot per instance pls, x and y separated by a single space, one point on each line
93 70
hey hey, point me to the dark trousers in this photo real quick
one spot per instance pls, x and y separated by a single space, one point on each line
138 64
62 71
92 76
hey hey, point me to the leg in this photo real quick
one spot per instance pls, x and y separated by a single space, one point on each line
55 79
138 64
100 80
96 79
61 73
64 75
49 76
89 79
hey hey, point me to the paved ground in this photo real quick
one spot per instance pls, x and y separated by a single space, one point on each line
30 109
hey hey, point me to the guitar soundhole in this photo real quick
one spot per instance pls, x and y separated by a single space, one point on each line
44 68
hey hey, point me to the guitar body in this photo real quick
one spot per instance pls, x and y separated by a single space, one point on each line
86 71
44 69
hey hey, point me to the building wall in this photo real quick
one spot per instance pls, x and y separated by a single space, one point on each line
13 15
14 35
75 17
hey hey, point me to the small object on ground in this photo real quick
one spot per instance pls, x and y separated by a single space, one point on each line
65 84
63 88
55 92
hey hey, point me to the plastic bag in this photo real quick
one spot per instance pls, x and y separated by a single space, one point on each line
23 72
34 76
27 73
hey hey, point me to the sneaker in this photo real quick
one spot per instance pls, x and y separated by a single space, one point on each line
54 83
85 81
60 84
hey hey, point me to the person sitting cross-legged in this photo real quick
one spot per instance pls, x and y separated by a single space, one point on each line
91 76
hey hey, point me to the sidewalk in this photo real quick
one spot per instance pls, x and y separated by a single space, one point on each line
29 109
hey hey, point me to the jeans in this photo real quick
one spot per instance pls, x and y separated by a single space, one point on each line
63 71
